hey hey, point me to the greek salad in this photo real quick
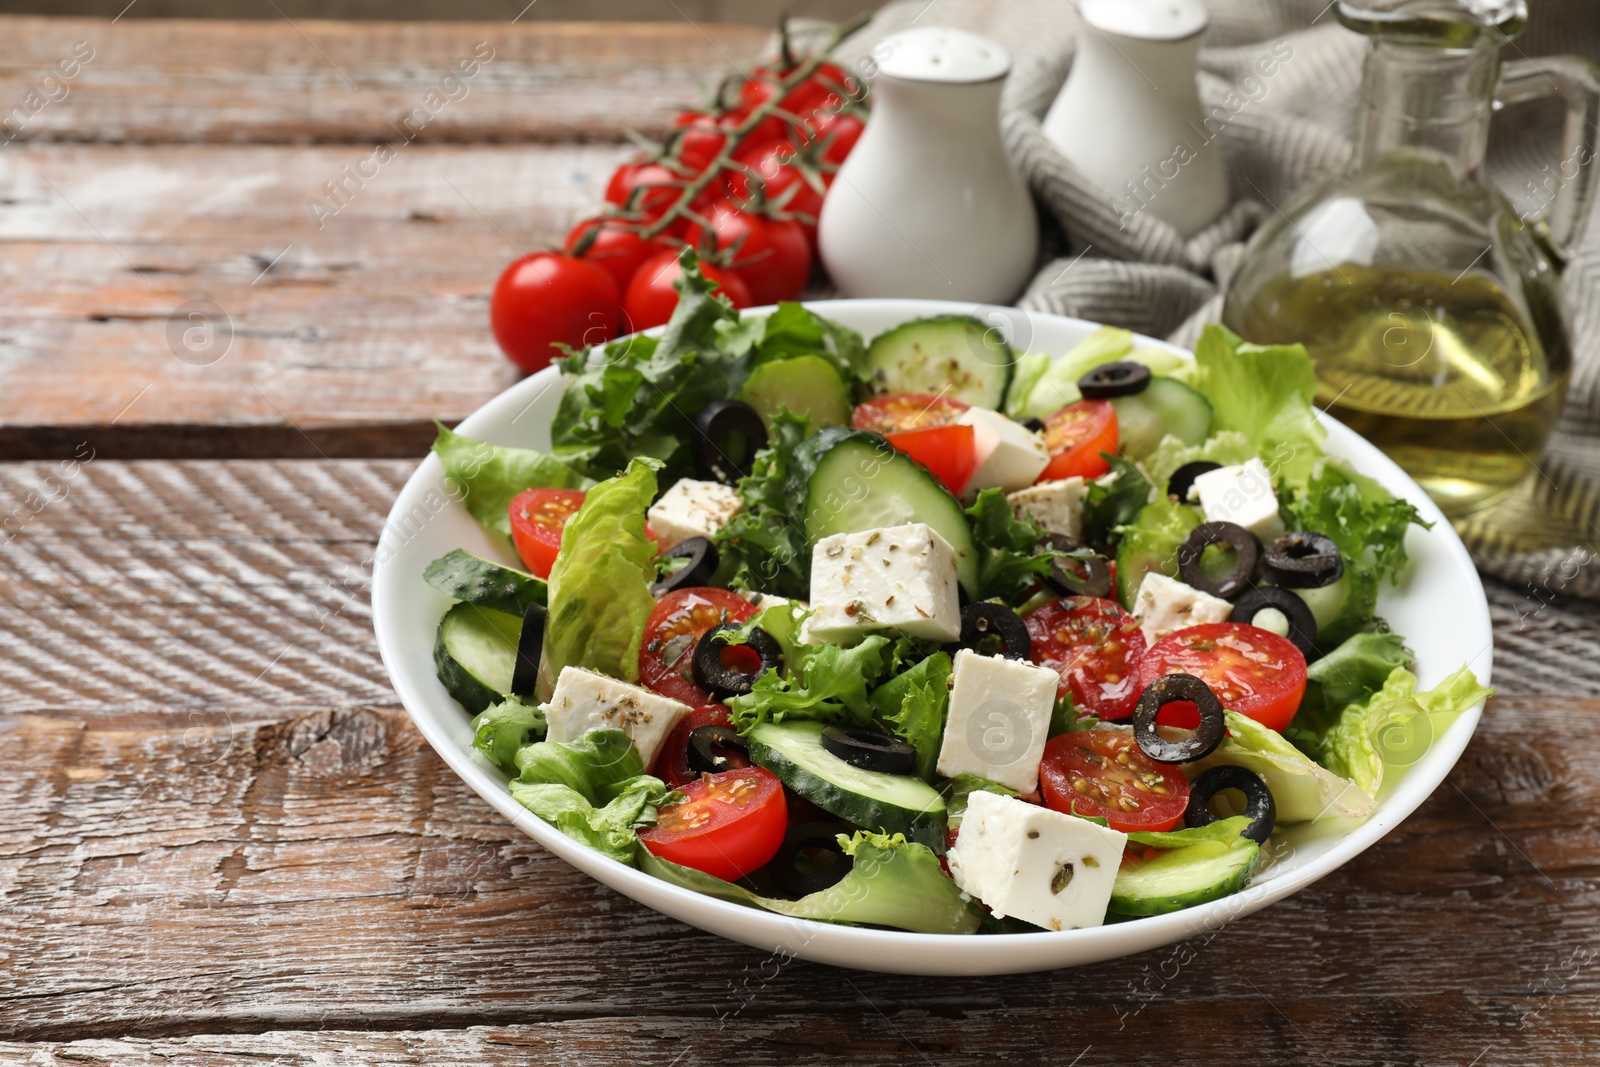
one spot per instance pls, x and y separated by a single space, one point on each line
927 633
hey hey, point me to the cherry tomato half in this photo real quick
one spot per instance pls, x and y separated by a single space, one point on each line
617 247
771 256
672 764
652 295
729 824
949 452
548 298
537 518
1253 671
676 624
1105 775
1096 647
1076 435
906 411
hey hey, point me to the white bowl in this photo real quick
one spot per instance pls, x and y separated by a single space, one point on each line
1439 607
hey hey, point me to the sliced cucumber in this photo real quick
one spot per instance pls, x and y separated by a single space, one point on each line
476 580
1183 877
1151 544
806 385
1327 602
475 654
859 482
955 355
892 803
1165 406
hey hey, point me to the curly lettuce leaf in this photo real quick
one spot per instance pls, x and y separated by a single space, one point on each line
1365 520
485 477
501 730
1394 727
1229 448
1114 501
892 882
592 788
1007 566
830 686
1264 392
639 396
600 583
763 547
913 705
1303 790
795 330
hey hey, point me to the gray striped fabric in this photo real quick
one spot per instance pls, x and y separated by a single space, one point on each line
1142 275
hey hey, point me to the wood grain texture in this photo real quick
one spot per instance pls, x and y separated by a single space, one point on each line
319 81
222 836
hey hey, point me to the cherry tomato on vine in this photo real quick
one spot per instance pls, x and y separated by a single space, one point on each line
645 189
729 824
699 139
838 136
651 296
537 518
548 298
617 247
771 256
773 168
1103 774
1076 435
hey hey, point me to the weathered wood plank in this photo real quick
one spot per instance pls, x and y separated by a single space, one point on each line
166 81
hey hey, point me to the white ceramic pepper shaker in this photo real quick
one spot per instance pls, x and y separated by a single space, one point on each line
928 204
1129 115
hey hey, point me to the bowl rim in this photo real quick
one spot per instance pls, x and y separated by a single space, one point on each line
904 951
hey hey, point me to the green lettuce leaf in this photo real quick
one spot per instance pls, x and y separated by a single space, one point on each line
913 705
783 620
1264 392
485 477
1223 831
892 883
640 395
1229 449
1007 566
795 330
1049 388
1394 727
830 686
592 788
1113 502
958 792
763 548
1365 520
1349 674
1303 790
500 731
600 583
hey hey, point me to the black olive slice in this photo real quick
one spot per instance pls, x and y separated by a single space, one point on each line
703 562
730 435
1032 422
1171 689
1122 378
870 748
1259 805
706 741
1245 547
722 680
530 646
810 859
1095 579
986 619
1181 484
1302 624
1303 561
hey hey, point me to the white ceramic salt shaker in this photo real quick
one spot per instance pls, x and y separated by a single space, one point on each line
927 204
1129 115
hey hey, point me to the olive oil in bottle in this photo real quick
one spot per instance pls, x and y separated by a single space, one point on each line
1446 375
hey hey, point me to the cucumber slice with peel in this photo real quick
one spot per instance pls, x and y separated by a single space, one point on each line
1183 877
462 575
475 654
806 385
952 355
1164 407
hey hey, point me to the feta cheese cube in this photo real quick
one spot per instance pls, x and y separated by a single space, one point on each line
586 700
896 578
1010 456
1056 506
1163 605
1242 495
998 721
1045 867
692 508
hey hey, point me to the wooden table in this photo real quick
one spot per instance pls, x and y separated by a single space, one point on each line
220 836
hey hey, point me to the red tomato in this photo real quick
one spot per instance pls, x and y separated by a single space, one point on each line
906 411
771 256
617 247
537 518
676 624
550 298
947 451
1096 647
652 296
1253 671
772 166
645 189
729 824
700 142
1105 775
1076 435
672 765
839 135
